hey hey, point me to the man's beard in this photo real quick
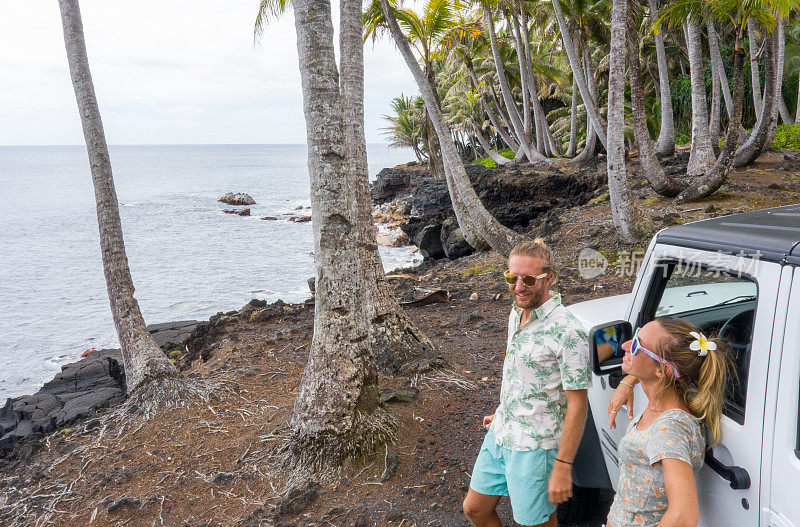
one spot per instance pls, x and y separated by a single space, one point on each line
530 302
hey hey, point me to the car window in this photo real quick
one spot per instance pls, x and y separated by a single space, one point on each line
721 305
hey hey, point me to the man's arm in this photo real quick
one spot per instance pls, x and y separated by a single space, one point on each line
560 485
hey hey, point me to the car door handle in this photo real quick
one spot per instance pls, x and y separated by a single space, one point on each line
737 476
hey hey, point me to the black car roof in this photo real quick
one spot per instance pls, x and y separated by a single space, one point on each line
772 234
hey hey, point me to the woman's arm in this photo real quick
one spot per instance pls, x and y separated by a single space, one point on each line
682 509
623 396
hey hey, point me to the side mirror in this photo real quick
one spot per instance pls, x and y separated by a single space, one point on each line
605 345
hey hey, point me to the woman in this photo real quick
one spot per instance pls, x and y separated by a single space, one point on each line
683 376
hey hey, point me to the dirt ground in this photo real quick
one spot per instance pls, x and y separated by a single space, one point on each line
207 464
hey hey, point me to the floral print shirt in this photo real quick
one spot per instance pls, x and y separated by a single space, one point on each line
641 498
545 356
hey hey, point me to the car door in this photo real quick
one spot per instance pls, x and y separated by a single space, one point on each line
736 295
782 434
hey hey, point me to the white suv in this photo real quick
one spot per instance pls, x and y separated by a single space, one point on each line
737 277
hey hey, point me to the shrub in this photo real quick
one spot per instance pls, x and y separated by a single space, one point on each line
682 139
787 137
487 161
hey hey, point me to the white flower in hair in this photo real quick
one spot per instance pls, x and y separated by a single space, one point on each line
701 344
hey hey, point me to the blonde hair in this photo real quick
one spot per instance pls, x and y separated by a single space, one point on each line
536 249
703 379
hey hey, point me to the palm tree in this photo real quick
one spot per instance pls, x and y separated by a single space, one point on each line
575 64
701 156
337 412
398 345
500 238
755 79
405 130
741 14
665 145
143 360
653 171
628 220
521 129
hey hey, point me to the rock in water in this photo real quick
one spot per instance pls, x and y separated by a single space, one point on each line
240 212
238 198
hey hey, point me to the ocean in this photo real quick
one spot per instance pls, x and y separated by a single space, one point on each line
188 259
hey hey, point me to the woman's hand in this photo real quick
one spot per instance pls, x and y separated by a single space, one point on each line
487 421
623 396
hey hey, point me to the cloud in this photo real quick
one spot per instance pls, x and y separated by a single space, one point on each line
169 72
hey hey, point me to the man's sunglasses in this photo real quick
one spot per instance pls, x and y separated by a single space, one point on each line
636 347
528 280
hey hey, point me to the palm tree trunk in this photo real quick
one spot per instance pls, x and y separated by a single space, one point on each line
529 121
786 117
652 169
573 121
143 359
590 145
337 412
665 145
589 103
708 184
501 130
551 149
506 121
397 344
716 58
505 89
627 218
715 116
500 238
701 156
550 143
780 39
755 78
757 140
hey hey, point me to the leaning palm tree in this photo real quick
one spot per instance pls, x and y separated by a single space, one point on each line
143 359
588 99
470 212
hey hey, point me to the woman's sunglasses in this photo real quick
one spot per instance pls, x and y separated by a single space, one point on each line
528 280
636 346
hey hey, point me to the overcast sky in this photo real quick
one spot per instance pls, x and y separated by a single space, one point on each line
169 72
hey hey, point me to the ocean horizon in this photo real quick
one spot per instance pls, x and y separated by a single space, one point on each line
188 259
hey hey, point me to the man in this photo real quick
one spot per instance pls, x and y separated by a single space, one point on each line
534 433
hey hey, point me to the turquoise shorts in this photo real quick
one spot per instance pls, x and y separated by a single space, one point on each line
522 476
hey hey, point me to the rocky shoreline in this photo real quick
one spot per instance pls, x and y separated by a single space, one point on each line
521 197
83 388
